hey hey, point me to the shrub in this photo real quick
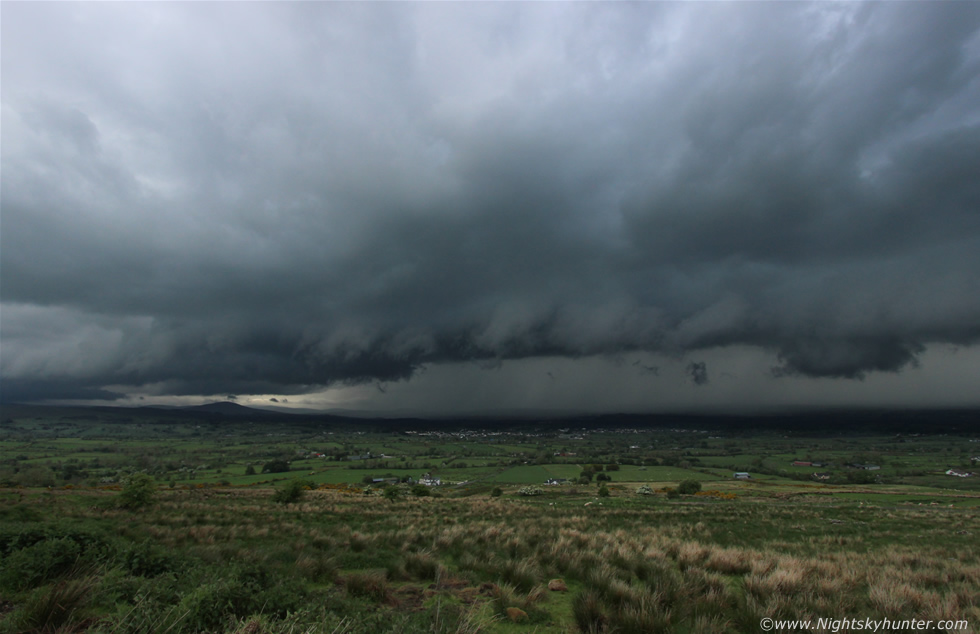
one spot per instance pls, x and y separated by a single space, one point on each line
421 491
603 491
391 493
246 591
497 492
147 559
39 563
602 477
292 492
673 493
138 491
688 487
249 470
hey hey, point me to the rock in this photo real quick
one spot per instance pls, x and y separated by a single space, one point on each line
557 585
516 615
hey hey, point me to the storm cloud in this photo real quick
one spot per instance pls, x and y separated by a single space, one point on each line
256 198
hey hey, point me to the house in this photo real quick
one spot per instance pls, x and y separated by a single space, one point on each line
866 467
742 475
958 473
429 480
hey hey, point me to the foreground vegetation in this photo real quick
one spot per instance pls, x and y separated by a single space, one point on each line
340 561
665 541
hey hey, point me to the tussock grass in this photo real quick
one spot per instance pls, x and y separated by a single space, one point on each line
685 567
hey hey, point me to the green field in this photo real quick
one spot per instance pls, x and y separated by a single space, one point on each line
113 525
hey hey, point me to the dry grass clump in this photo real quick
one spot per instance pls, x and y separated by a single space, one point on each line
316 566
370 585
729 561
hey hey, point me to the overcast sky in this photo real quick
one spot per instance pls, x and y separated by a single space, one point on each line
443 207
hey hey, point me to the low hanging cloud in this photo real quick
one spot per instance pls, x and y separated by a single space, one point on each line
272 198
698 372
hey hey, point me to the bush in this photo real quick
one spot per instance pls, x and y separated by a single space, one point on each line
421 491
138 491
147 559
688 487
602 477
246 591
39 563
673 493
497 492
249 470
391 493
603 491
292 492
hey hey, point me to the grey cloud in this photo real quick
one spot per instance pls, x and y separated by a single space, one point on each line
698 372
255 199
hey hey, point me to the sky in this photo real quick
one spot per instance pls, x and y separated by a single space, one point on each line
491 207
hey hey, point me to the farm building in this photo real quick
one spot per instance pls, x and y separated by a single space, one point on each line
958 473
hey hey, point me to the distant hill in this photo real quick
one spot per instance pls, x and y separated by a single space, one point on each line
819 422
226 408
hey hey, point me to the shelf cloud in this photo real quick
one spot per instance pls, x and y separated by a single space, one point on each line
255 198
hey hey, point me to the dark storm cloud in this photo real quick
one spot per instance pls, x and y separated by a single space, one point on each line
255 198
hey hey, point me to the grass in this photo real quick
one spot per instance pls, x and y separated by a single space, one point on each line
633 564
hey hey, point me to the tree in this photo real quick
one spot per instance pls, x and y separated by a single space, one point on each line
421 491
689 487
138 491
602 477
391 493
249 470
275 466
603 491
497 492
